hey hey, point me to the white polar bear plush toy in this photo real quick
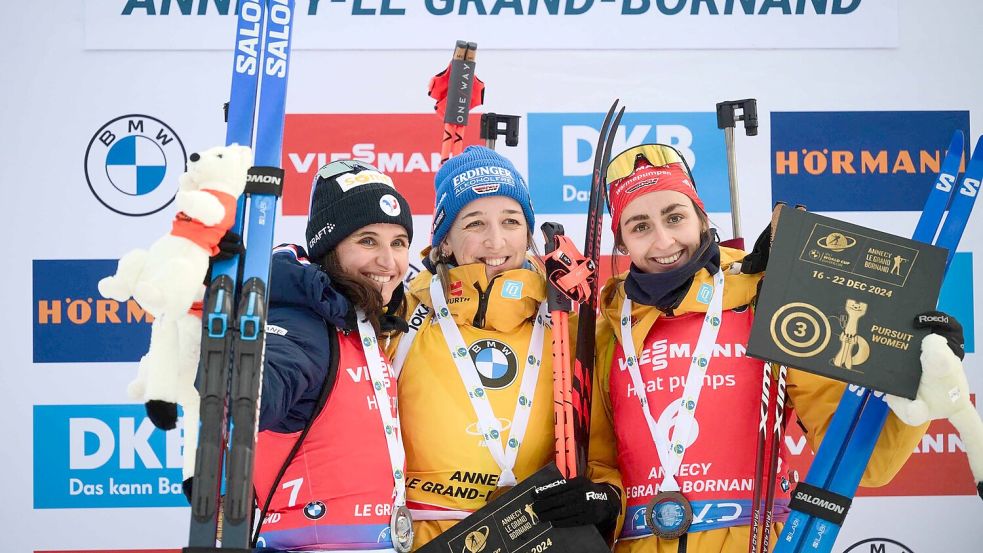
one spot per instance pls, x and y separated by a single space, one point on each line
167 278
943 392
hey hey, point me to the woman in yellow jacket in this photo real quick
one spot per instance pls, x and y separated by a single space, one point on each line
670 363
475 376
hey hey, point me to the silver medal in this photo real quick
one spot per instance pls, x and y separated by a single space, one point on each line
401 529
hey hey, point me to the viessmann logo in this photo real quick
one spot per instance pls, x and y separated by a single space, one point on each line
73 323
873 160
404 146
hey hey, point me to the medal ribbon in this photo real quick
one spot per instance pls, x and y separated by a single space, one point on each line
488 423
390 423
671 451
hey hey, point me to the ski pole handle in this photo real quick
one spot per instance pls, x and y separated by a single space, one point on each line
491 128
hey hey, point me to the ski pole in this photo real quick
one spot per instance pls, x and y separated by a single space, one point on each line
583 372
568 276
456 90
727 118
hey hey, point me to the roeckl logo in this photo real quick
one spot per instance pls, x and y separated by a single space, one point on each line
933 319
602 496
552 484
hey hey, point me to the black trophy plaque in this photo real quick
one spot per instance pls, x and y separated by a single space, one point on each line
839 300
509 525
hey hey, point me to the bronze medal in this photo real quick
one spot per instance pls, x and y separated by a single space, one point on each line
669 515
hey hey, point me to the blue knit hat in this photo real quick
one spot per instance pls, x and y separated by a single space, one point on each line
478 172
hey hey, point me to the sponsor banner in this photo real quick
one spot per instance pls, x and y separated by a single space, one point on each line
940 451
107 551
508 24
878 545
561 154
132 164
956 297
73 323
851 160
405 146
94 456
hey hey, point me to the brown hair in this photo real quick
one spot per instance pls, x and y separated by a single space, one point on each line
361 292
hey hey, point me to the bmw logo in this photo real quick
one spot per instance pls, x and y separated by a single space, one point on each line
496 363
315 510
132 164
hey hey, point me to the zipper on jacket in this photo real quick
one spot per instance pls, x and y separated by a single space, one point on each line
479 315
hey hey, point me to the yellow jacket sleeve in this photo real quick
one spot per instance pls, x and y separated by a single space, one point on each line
815 399
602 453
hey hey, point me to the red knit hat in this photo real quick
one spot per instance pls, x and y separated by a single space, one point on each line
646 179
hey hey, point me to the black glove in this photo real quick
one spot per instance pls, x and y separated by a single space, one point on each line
946 326
230 245
756 261
578 502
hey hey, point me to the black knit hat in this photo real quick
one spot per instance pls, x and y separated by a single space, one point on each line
348 195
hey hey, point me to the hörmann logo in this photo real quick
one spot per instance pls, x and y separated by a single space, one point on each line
881 160
73 323
561 154
132 164
90 456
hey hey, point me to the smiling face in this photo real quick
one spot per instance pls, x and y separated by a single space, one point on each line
378 253
489 230
661 231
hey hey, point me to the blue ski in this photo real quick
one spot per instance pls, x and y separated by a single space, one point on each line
847 474
230 372
861 414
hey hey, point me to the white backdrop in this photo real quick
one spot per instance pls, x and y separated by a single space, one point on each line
67 361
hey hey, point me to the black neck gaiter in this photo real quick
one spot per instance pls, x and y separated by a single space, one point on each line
665 290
